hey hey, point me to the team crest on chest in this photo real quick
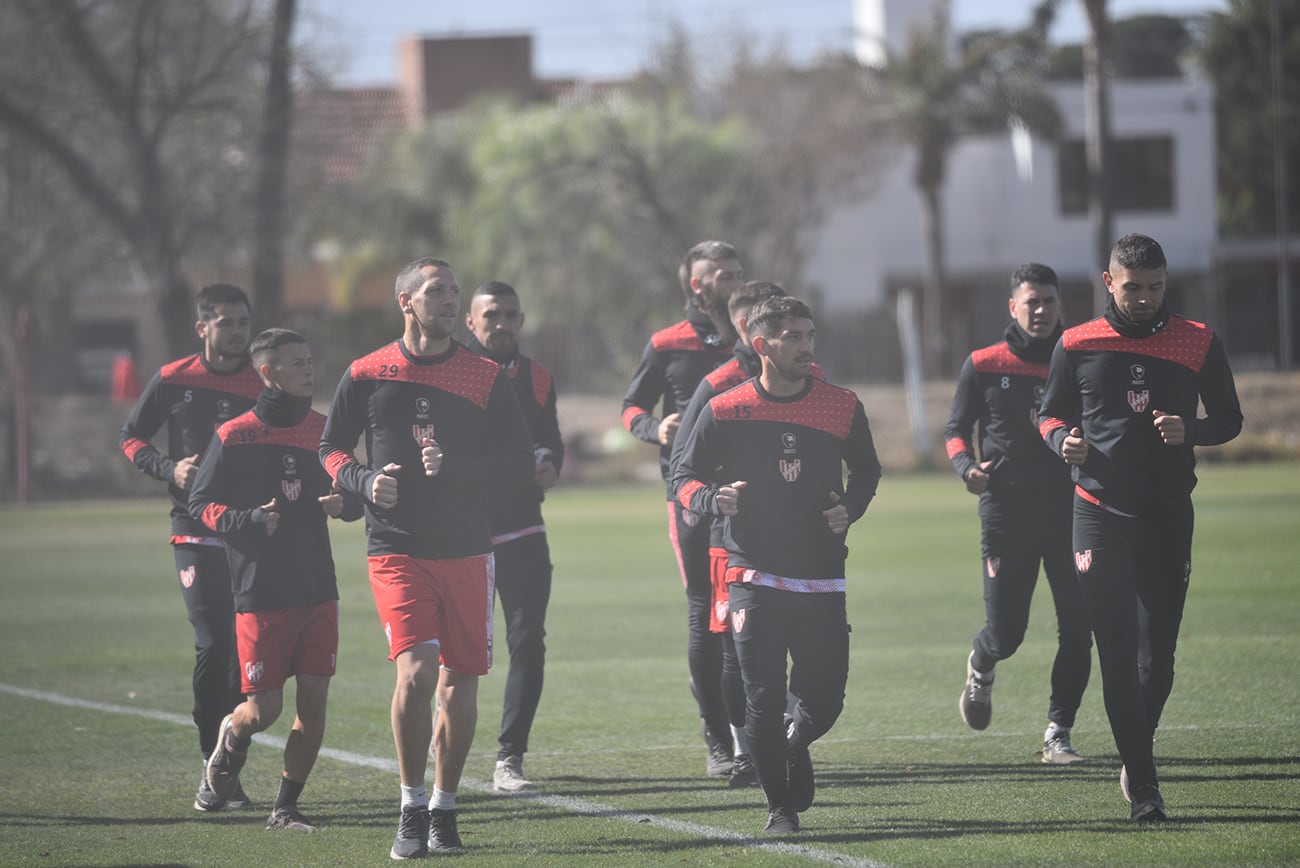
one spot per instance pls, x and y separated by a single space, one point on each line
1139 400
291 487
1083 560
422 432
790 469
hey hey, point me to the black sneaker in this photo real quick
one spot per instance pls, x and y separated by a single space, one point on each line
781 821
443 837
976 703
225 762
206 800
412 840
240 800
289 819
743 773
718 762
1148 807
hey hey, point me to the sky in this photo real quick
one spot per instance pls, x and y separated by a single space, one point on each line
603 39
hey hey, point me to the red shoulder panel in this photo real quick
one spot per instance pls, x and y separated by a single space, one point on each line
1182 341
464 373
728 376
190 371
541 384
998 359
826 408
677 337
247 429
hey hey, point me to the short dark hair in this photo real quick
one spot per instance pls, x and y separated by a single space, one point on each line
1033 272
713 251
219 293
766 317
271 340
1135 251
409 278
496 287
752 293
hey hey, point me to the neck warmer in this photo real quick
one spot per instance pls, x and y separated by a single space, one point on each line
749 362
1031 349
280 409
1130 329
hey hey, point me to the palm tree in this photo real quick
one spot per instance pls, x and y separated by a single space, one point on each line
937 99
1097 141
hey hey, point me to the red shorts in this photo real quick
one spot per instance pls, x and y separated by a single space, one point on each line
718 579
278 643
443 602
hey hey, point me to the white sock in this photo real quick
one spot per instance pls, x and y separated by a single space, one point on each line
739 739
442 800
415 797
1055 730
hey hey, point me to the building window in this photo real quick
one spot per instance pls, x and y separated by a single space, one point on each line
1141 175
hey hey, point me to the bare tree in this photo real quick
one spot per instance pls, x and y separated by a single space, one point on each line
145 108
273 169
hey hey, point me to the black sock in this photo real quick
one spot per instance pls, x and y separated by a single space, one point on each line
289 793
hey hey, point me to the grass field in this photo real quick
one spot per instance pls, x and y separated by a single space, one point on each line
98 761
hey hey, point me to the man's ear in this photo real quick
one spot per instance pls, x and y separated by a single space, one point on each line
200 329
760 345
404 302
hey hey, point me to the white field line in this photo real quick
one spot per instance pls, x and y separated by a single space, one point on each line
564 803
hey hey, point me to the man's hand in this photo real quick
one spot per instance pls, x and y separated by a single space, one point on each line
383 491
728 498
271 515
837 517
668 428
332 503
1074 449
430 456
1171 428
184 471
546 475
977 478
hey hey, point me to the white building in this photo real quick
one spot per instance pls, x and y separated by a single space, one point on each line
1011 199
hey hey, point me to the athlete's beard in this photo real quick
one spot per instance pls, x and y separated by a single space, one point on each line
717 311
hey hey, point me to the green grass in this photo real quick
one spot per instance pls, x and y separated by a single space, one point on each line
90 612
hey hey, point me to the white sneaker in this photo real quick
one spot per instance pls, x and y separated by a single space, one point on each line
509 776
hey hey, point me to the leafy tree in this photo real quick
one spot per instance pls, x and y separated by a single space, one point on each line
593 203
1237 54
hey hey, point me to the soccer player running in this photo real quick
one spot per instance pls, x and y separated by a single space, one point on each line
743 365
782 439
1121 410
191 397
1024 507
523 557
672 365
261 486
444 434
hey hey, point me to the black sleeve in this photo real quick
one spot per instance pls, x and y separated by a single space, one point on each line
210 492
859 454
967 407
692 479
546 437
147 416
647 387
1218 391
703 393
1062 405
343 428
